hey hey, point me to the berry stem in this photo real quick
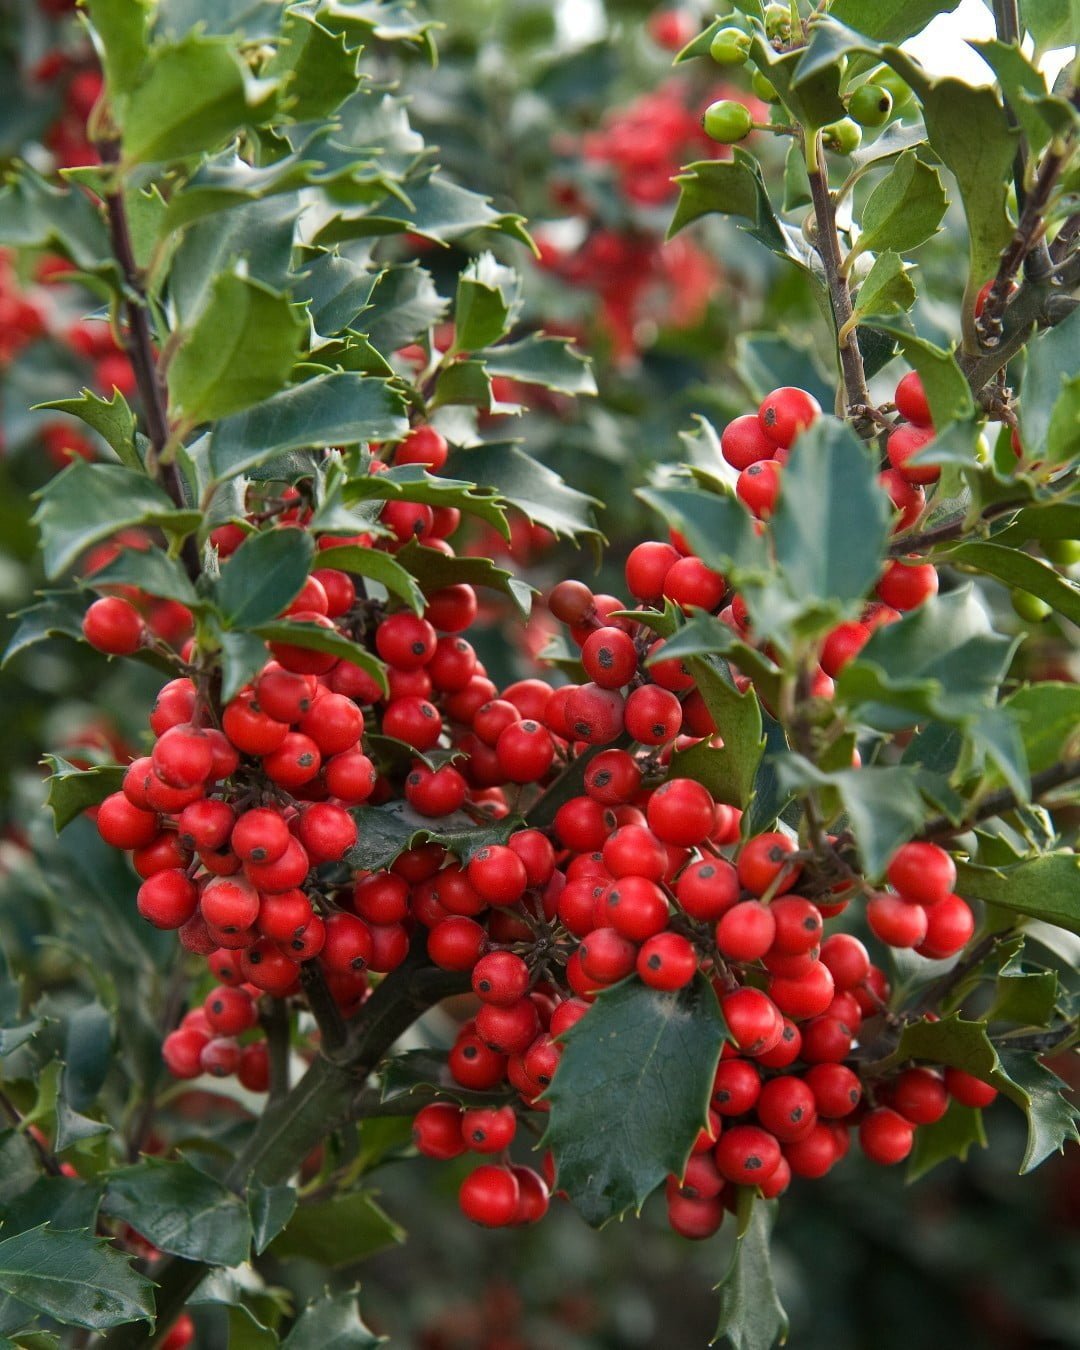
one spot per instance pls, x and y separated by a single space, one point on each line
276 1023
856 393
140 350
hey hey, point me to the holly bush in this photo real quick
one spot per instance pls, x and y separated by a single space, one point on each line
374 847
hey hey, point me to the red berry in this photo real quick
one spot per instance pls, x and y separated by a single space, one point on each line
609 657
906 442
922 872
743 442
761 863
488 1129
490 1196
920 1096
950 925
967 1089
500 978
653 716
911 402
646 568
746 1154
682 812
785 412
707 889
886 1137
905 585
114 626
436 1131
123 825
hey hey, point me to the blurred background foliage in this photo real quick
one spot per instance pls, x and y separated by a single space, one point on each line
571 114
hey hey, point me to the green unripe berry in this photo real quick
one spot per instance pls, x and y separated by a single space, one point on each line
763 88
778 22
730 47
843 137
1064 552
1030 608
887 78
870 105
727 121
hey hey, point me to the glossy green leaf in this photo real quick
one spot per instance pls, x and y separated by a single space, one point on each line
311 636
119 28
831 519
378 566
1051 23
110 418
549 361
883 805
729 771
332 1322
1039 113
75 1278
181 1210
1050 396
941 660
36 214
1048 720
1016 569
64 1203
889 20
751 1315
192 95
238 353
385 831
317 67
810 93
718 527
946 388
433 570
631 1093
338 1231
152 571
537 491
1052 1120
736 188
950 1137
1024 998
72 790
336 409
488 296
264 575
1046 888
271 1208
90 502
59 614
242 657
887 288
226 180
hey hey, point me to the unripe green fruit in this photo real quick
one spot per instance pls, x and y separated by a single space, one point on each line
1064 552
901 91
727 121
843 137
730 47
1030 608
870 105
763 88
778 22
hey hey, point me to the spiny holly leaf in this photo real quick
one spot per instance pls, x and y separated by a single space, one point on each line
887 287
192 95
1024 998
1052 1120
719 529
1050 398
905 208
1048 719
883 804
433 570
631 1093
310 635
271 1208
941 660
536 491
264 575
488 296
72 790
385 831
396 576
336 409
243 655
226 180
1046 888
75 1278
239 351
736 188
332 1322
549 361
151 571
119 29
88 502
317 67
438 209
950 1137
338 1231
728 772
751 1316
413 483
181 1210
831 520
889 20
947 391
36 214
1014 568
110 418
59 614
1039 113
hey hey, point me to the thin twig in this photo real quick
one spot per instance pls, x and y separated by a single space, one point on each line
277 1022
996 803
